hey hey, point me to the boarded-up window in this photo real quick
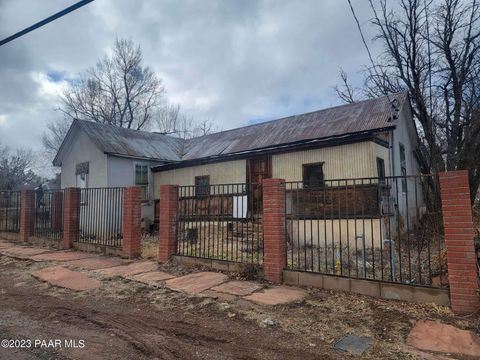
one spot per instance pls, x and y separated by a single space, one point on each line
313 175
202 185
141 180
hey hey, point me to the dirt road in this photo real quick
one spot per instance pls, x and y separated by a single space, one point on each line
128 320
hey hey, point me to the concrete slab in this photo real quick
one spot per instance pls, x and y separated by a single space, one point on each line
352 344
63 256
197 282
24 252
130 269
154 278
96 263
432 336
240 288
66 278
277 295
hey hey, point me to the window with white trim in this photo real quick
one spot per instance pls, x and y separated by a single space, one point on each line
141 180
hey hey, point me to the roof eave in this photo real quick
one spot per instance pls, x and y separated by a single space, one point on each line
138 157
325 141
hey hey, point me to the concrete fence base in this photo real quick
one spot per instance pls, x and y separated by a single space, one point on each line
373 288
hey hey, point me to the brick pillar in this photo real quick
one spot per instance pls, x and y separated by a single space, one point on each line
71 217
461 257
274 239
132 219
167 240
27 208
57 211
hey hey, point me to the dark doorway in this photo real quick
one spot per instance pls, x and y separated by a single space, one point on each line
258 168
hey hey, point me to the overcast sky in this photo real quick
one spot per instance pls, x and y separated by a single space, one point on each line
236 62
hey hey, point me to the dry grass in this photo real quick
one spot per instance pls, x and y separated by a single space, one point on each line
149 250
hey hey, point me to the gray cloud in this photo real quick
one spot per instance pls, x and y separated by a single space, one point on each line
231 61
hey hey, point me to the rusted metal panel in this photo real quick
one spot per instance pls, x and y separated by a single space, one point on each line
335 201
338 122
353 118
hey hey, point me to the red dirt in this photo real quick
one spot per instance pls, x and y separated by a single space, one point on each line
125 319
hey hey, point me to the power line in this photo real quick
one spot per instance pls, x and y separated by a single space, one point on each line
45 21
374 66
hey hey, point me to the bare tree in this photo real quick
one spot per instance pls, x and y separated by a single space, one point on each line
432 49
16 169
170 121
53 137
346 91
119 90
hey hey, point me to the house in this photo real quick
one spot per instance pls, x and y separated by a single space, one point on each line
368 139
374 138
94 155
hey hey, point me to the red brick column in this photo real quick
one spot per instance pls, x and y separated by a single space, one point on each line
57 210
274 239
461 257
27 208
167 240
132 219
71 217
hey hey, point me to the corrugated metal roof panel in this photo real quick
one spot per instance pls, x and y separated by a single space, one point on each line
346 119
127 142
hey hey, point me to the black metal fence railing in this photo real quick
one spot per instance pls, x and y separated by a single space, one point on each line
221 222
101 216
388 229
10 211
48 214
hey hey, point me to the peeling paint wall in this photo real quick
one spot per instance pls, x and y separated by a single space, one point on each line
227 172
344 161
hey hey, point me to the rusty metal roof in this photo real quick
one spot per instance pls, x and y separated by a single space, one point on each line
362 116
124 142
339 121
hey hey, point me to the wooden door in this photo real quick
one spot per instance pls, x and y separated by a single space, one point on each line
257 169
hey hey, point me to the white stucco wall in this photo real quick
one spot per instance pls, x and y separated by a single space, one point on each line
84 150
121 173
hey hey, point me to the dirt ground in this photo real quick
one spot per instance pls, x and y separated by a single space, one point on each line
128 320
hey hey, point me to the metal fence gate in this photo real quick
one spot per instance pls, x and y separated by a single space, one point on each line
48 214
221 222
10 211
101 216
388 229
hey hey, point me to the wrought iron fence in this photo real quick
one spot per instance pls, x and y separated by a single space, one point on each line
221 222
387 229
10 211
101 216
48 214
